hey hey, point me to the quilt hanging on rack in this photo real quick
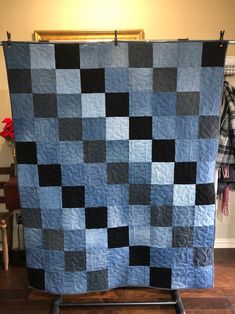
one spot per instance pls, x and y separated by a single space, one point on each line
116 150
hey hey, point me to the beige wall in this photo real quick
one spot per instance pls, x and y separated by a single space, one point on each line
160 19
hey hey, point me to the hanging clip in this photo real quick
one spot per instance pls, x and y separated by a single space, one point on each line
8 40
221 38
115 38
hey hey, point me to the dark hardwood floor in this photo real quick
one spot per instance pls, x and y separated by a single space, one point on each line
16 298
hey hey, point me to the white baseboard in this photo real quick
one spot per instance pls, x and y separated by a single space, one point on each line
225 243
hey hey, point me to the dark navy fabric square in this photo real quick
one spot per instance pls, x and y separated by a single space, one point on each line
92 81
205 194
213 55
139 256
185 172
49 175
67 56
36 278
96 217
20 81
118 237
160 277
163 150
73 196
117 104
26 152
140 128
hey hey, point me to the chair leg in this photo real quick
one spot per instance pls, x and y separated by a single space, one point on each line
5 245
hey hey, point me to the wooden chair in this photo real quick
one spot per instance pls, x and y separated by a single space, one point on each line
10 172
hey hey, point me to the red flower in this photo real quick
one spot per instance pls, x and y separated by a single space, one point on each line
8 130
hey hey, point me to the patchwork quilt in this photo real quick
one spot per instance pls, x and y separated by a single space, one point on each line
116 149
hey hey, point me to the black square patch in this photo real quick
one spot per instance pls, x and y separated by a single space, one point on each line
117 104
139 256
36 278
185 172
117 173
73 196
118 237
49 175
213 55
160 277
26 153
205 194
67 56
96 217
45 105
163 150
20 81
92 80
140 128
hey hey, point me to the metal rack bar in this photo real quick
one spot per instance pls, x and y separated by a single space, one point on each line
176 302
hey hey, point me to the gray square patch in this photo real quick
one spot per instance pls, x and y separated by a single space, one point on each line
53 239
209 126
182 237
32 218
75 261
187 104
140 55
139 194
164 79
118 173
97 280
203 256
94 151
70 129
161 216
44 105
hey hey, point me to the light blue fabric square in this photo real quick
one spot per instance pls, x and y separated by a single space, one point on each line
96 196
27 175
140 172
73 218
117 151
18 57
94 129
95 174
54 282
32 238
93 105
69 105
189 54
140 79
188 79
75 282
42 56
204 277
118 257
96 239
164 127
204 215
53 261
34 258
115 280
211 90
22 106
138 276
161 257
68 81
116 80
139 215
140 103
183 257
24 129
182 277
139 235
47 152
118 194
183 215
187 127
92 56
161 237
50 197
117 128
116 56
96 260
29 197
164 104
162 173
205 172
43 81
165 55
186 150
140 151
161 194
51 218
46 129
73 174
70 152
208 150
71 243
204 236
118 216
184 195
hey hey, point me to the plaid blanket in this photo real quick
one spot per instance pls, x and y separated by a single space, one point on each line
226 151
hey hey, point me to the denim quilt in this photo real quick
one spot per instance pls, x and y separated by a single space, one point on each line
116 149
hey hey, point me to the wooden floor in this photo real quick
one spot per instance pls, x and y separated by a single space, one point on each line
15 298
